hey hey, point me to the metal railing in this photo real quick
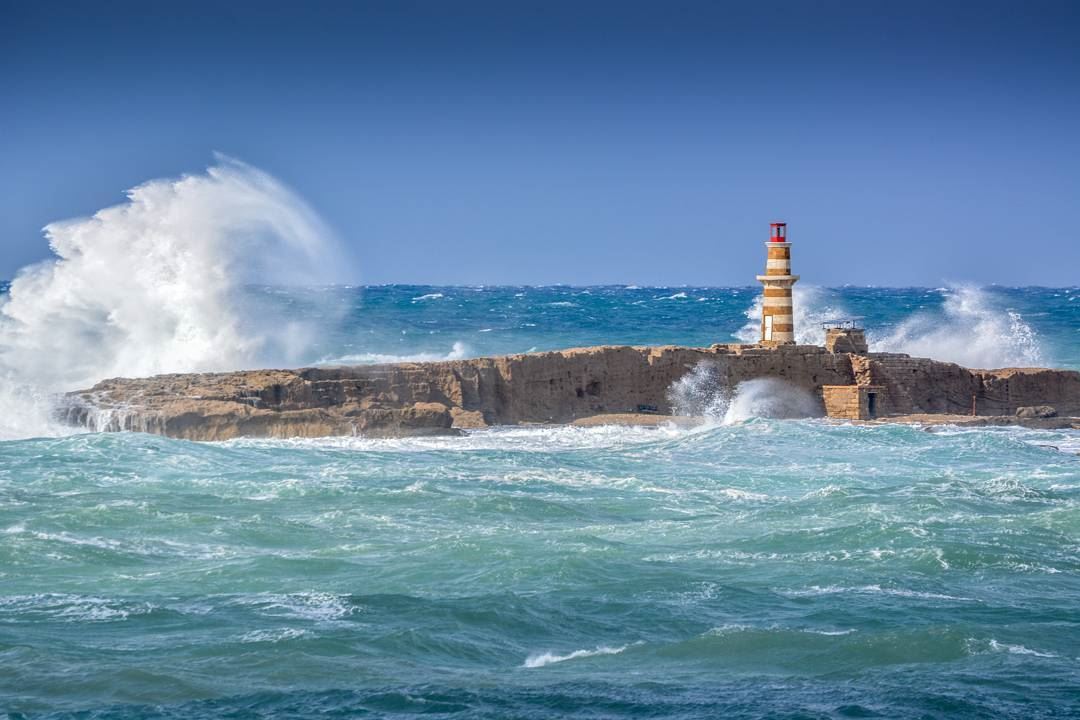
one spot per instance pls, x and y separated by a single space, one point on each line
849 324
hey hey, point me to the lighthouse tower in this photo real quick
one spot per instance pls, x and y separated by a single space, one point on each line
777 318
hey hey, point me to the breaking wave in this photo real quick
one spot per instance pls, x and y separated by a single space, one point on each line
547 658
706 392
156 285
970 329
812 306
459 351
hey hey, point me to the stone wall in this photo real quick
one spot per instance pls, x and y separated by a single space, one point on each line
846 340
549 387
853 402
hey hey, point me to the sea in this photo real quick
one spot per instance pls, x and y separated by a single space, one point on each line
749 567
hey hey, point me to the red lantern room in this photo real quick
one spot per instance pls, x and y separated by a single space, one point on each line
778 232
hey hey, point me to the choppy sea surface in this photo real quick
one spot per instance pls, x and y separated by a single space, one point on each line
753 568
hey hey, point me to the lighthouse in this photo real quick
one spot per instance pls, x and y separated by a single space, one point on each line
777 318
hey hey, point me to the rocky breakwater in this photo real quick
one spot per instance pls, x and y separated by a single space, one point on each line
549 387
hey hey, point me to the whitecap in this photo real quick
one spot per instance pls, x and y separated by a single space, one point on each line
736 494
537 660
459 351
814 590
315 606
272 636
73 608
970 329
812 306
992 645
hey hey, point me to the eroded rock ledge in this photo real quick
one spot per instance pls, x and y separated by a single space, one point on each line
549 387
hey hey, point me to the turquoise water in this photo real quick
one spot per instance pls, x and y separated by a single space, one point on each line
762 569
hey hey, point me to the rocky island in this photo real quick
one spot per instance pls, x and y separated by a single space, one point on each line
585 385
608 384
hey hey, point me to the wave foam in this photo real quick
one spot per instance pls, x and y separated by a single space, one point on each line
313 606
816 590
541 659
705 391
970 329
978 647
811 306
272 636
459 351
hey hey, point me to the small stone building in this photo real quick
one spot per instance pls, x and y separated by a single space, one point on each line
853 402
843 338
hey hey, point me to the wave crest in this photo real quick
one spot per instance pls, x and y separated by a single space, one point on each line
706 392
970 329
156 285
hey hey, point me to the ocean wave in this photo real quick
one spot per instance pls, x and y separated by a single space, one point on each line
817 590
311 606
158 285
706 392
811 306
459 351
509 438
538 660
971 328
977 646
273 636
67 607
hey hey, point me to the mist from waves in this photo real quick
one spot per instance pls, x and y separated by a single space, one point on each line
706 392
971 327
156 285
812 306
459 351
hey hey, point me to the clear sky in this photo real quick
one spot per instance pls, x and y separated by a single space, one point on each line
905 143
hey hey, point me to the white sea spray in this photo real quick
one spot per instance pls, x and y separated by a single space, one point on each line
971 329
157 285
706 391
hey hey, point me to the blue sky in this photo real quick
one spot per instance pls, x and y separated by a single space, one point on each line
576 142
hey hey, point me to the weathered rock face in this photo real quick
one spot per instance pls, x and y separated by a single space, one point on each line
1036 411
551 387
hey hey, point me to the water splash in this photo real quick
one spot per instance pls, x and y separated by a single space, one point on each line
970 329
459 351
156 285
770 398
812 306
706 392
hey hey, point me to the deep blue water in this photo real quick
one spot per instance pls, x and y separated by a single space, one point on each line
978 326
766 568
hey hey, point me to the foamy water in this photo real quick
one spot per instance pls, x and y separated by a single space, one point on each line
765 565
